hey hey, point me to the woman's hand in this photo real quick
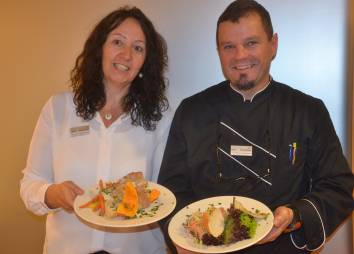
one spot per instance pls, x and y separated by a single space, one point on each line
282 218
62 195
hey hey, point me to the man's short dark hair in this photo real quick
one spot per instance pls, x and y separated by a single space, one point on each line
242 8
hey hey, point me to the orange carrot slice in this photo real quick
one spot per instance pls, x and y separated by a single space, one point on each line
89 203
129 205
102 205
154 194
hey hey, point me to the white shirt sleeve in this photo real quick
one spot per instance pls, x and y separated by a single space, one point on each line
38 174
162 135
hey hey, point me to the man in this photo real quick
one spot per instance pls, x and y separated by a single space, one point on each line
255 137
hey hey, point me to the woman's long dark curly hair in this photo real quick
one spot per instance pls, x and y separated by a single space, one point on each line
146 98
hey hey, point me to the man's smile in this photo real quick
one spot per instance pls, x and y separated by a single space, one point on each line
243 67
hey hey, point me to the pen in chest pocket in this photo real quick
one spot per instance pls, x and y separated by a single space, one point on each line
292 152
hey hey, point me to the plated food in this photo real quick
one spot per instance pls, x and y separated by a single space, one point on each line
127 202
221 224
127 198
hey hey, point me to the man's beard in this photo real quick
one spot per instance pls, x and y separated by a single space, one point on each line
243 84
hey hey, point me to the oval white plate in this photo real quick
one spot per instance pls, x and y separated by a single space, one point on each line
184 239
166 203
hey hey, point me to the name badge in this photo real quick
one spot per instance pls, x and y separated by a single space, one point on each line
241 150
80 130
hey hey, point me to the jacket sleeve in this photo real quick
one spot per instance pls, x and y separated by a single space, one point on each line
174 173
329 200
37 175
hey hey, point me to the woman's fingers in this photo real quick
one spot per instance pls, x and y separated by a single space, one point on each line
62 195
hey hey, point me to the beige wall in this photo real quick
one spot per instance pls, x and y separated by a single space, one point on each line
39 42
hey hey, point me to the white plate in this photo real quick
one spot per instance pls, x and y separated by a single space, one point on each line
166 203
184 239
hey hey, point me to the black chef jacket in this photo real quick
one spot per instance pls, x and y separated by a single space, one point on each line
306 169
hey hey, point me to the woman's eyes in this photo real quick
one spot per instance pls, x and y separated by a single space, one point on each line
139 49
117 42
120 43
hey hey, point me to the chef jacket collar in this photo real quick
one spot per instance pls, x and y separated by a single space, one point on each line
258 92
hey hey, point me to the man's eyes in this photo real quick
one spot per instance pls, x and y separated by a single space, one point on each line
228 46
251 43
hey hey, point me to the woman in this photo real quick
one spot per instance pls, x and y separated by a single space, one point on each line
112 124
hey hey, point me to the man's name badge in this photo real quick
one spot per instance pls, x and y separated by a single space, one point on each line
79 130
241 150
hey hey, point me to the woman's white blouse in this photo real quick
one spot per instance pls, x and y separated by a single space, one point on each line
65 147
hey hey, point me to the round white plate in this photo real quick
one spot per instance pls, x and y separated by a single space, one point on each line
184 239
166 203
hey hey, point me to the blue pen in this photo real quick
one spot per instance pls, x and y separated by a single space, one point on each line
290 152
294 153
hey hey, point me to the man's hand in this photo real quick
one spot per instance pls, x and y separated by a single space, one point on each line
62 195
282 218
184 251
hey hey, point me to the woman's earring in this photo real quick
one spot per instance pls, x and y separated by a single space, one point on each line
141 75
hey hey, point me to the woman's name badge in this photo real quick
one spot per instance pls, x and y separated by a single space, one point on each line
79 130
241 150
